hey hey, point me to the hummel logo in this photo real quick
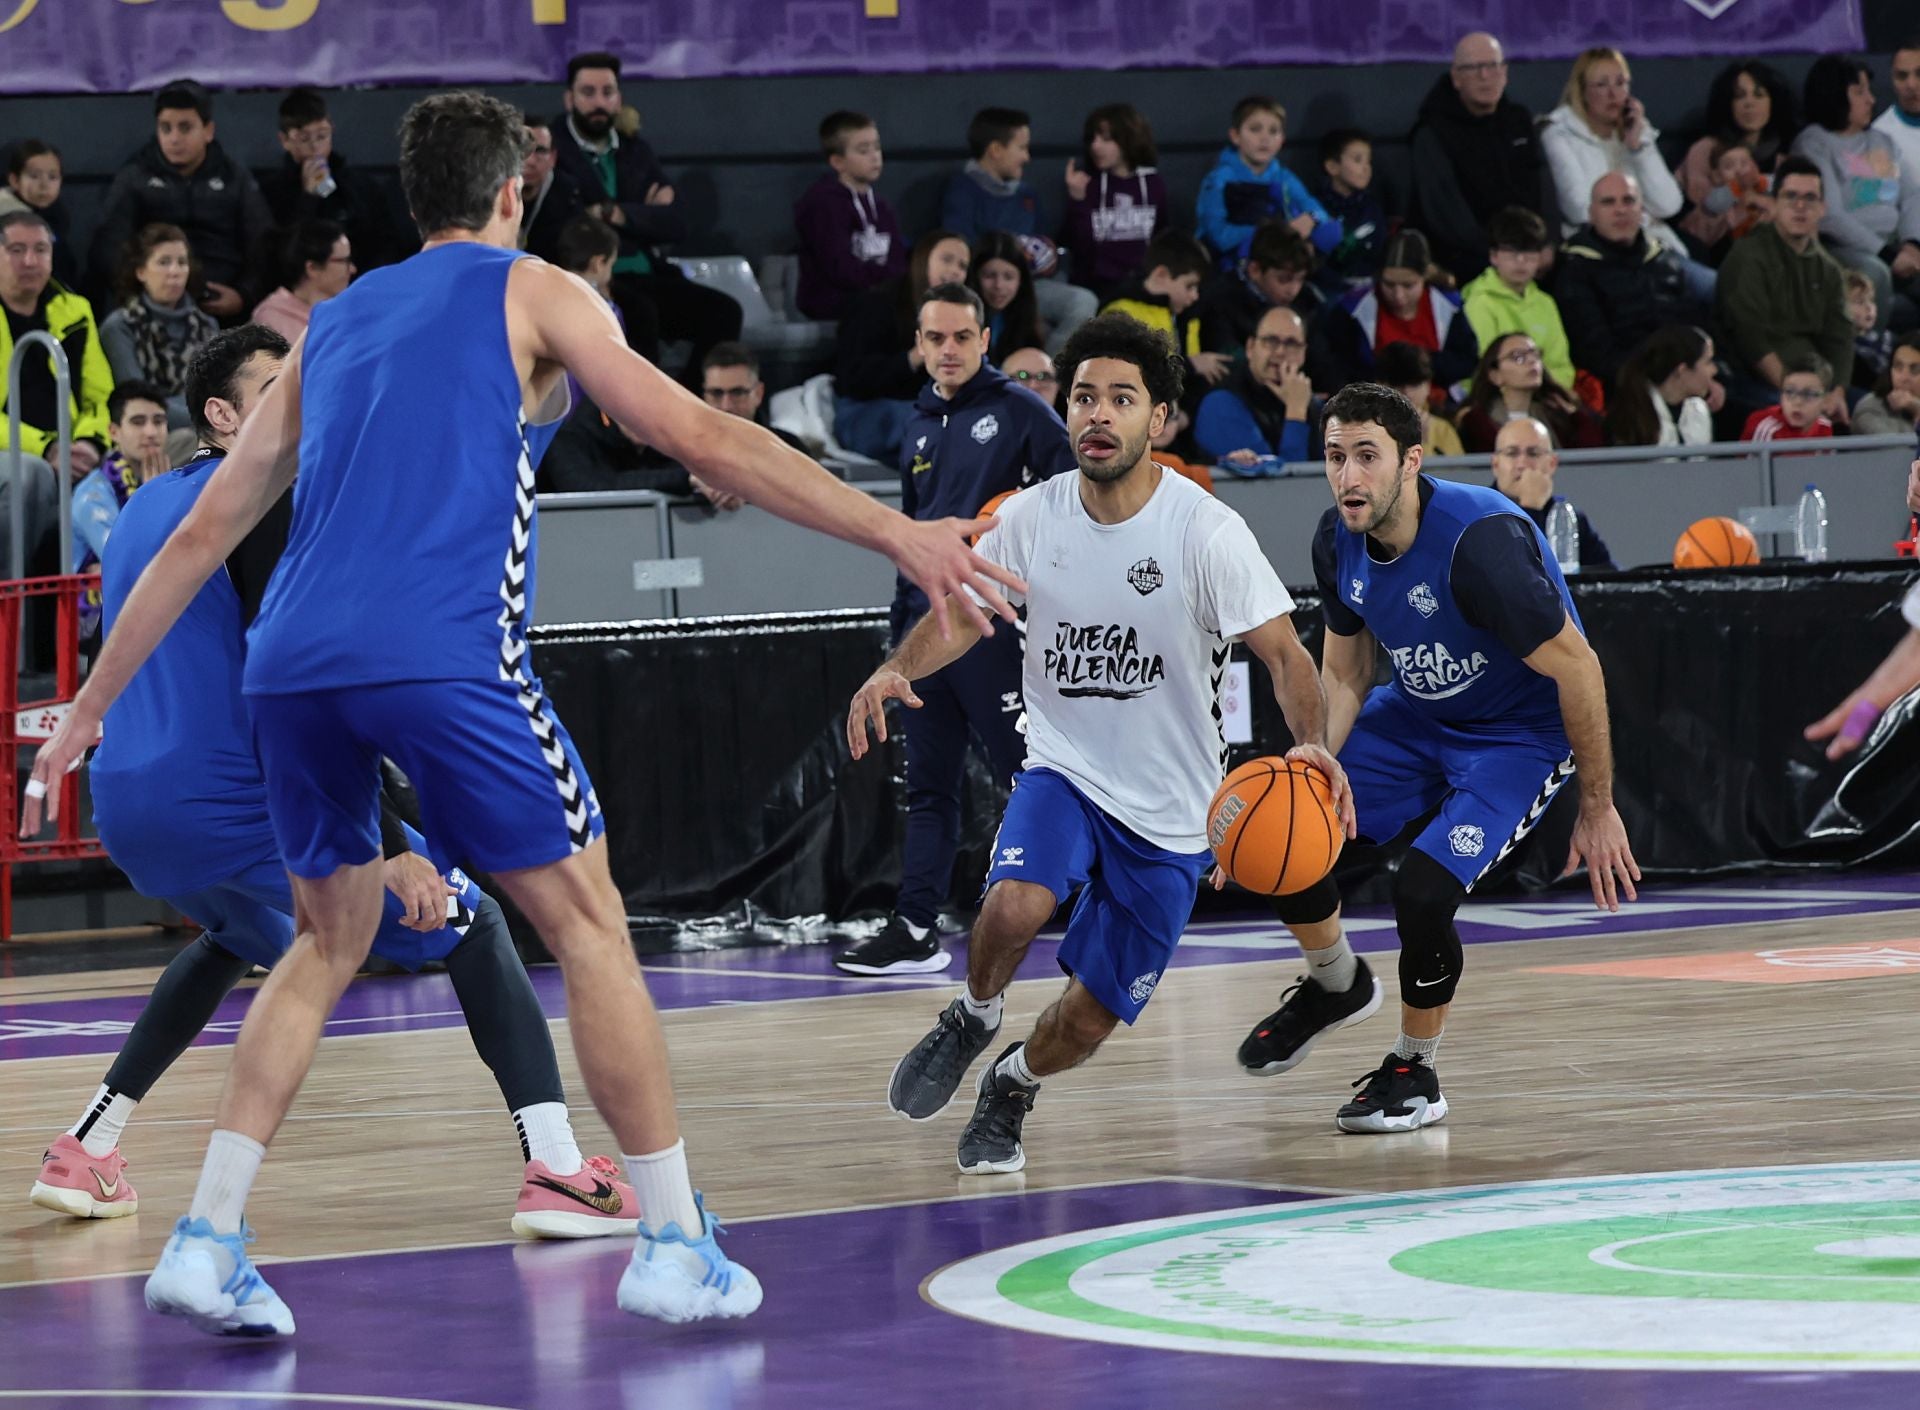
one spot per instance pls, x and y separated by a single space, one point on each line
1010 856
106 1191
602 1197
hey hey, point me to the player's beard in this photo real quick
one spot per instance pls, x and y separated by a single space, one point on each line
1119 466
1384 514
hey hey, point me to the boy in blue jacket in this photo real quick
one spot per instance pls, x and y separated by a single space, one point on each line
1248 184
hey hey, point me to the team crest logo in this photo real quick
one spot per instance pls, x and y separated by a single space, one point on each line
1467 840
1145 576
1142 988
1420 597
986 428
1358 592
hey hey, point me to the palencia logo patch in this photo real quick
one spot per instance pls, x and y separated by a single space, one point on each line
1145 576
986 428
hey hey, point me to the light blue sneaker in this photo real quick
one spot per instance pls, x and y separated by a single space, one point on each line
208 1279
676 1279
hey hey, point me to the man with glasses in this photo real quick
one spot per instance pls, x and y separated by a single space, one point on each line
1267 411
1033 369
1524 463
1475 152
551 197
314 181
730 382
1617 283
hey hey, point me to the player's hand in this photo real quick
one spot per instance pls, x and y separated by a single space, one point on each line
935 556
1848 724
1600 839
1317 758
1077 181
870 707
57 758
1217 878
422 891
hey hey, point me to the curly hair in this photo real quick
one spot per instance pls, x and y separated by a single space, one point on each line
1124 338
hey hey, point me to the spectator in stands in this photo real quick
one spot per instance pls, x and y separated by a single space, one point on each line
1804 389
1512 383
1524 464
1872 222
1616 282
1171 446
1475 151
1164 298
878 369
1118 202
315 181
1033 369
32 302
1409 371
1893 407
1505 297
850 238
1750 110
1402 306
1345 188
1781 296
1267 411
1872 344
154 331
185 178
137 423
550 197
1901 121
1000 275
730 382
1273 275
625 185
1249 184
315 262
35 177
1666 393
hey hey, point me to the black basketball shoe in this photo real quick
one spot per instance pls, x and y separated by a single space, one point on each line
1402 1094
893 950
1282 1040
925 1080
991 1143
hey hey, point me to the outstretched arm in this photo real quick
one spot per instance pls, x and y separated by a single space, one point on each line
924 651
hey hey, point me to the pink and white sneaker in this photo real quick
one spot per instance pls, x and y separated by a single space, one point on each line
84 1186
593 1204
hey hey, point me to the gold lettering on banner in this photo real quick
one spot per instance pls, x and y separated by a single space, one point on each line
21 11
287 14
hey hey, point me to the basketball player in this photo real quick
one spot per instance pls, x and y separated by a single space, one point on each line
1495 699
395 625
1139 581
181 806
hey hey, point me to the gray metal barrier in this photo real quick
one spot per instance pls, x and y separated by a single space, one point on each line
17 466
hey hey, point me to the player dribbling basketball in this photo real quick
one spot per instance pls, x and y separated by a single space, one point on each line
1138 581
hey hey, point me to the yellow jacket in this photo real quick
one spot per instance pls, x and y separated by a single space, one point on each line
70 320
1155 314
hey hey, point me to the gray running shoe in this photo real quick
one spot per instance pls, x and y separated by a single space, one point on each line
991 1143
925 1080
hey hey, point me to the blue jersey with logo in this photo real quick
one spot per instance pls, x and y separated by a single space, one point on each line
1448 667
177 792
412 551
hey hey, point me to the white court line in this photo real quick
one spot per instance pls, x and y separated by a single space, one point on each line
269 1397
902 980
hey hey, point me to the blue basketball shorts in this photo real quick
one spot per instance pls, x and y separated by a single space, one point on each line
1135 898
1491 791
251 914
499 782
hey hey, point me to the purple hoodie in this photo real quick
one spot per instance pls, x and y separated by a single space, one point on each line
1108 232
848 243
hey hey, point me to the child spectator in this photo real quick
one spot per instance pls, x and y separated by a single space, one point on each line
1505 298
1003 279
34 179
1401 306
1803 391
156 330
1164 297
1346 190
877 368
1274 274
137 424
589 247
1118 203
1512 384
1665 391
314 263
1894 406
314 181
849 237
1248 184
1872 344
1409 371
1741 193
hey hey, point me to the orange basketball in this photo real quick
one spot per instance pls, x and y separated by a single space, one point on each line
992 506
1718 542
1272 826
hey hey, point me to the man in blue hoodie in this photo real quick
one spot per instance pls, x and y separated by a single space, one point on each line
975 434
1248 185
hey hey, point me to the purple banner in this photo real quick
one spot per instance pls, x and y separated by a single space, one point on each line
109 46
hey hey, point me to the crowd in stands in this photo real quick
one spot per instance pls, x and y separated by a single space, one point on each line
1549 281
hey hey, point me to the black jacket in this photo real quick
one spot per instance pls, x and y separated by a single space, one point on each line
871 347
220 208
1613 296
359 205
562 202
635 169
1466 167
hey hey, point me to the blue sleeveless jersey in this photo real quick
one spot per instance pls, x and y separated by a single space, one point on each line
411 555
177 793
1448 669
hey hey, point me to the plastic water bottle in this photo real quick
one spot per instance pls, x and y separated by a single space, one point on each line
1563 535
1810 526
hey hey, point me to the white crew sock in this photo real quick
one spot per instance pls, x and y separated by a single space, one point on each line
1333 968
546 1135
225 1180
986 1010
1014 1065
1418 1047
98 1130
665 1192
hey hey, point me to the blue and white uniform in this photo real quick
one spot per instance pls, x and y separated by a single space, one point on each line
396 623
1128 631
1466 731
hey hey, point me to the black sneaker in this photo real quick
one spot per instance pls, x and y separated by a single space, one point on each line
1282 1040
1402 1094
893 950
925 1080
991 1143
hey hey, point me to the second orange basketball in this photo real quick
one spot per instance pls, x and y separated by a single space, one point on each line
1718 542
1272 826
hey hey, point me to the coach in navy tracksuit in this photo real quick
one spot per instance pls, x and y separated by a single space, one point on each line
975 433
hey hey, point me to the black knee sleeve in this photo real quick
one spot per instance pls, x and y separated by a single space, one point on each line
1425 898
183 1002
503 1014
1308 907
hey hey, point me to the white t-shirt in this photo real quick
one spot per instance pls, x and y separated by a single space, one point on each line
1128 627
1906 139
